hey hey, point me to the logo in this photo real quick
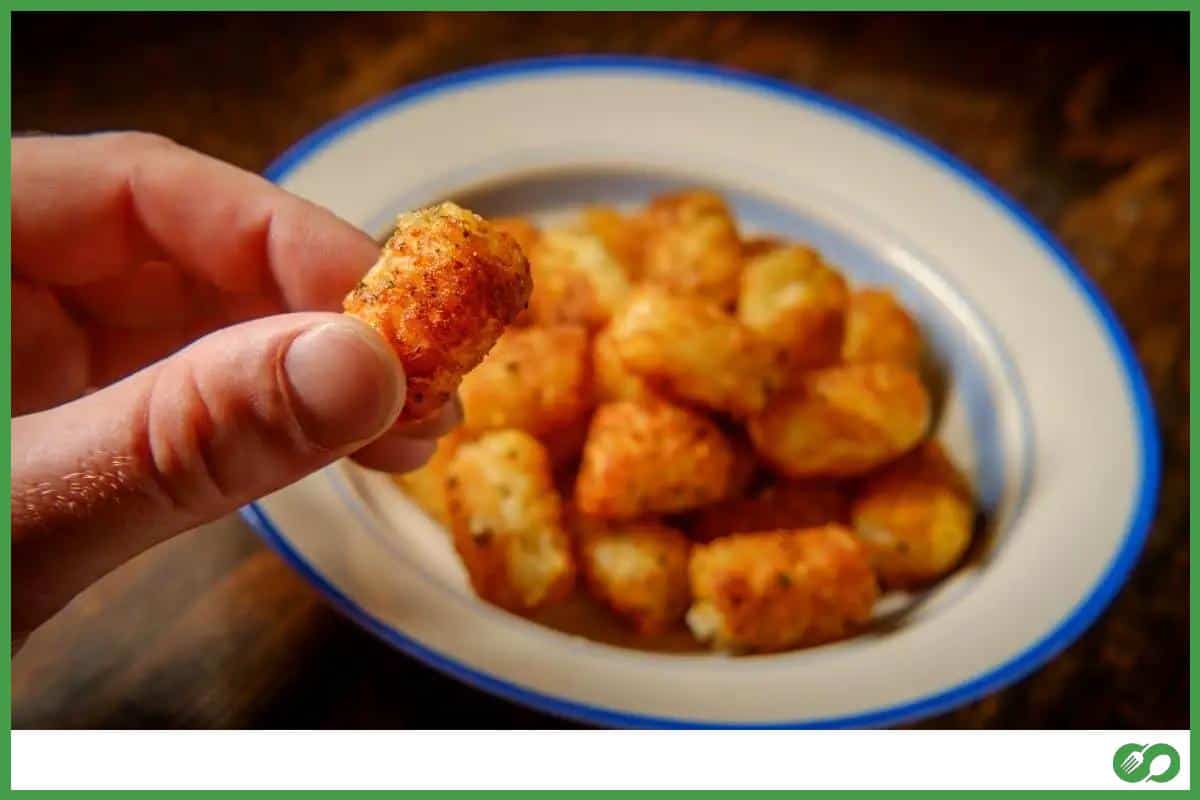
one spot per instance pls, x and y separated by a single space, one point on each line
1135 763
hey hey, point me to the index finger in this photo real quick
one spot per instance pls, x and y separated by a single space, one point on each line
90 207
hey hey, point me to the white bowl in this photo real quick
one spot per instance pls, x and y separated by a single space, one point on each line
1043 401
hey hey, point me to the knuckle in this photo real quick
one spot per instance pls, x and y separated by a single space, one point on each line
139 141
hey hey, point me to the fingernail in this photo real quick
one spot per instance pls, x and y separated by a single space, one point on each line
348 387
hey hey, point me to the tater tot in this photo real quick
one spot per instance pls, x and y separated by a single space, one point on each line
426 486
445 286
623 235
507 521
575 280
772 591
522 230
612 379
691 350
692 246
638 569
645 458
784 505
915 517
537 379
842 421
792 298
879 329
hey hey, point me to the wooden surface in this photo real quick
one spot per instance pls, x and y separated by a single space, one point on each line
1084 119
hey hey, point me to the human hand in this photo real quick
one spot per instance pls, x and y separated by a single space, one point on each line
126 247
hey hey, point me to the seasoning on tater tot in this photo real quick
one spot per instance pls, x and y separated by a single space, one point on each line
692 246
692 351
787 504
507 521
792 298
575 280
842 421
879 329
426 486
646 458
537 379
638 569
446 284
773 591
915 516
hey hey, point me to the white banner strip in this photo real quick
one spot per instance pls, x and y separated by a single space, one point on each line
601 760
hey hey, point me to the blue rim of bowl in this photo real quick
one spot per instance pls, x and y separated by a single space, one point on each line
1066 632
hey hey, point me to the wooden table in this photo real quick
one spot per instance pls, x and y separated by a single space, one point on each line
1084 119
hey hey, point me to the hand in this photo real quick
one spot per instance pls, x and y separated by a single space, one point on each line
126 247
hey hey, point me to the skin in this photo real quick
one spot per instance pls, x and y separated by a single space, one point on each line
125 249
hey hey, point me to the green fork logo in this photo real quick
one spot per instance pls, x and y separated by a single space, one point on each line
1133 762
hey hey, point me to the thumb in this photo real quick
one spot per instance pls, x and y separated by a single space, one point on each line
238 414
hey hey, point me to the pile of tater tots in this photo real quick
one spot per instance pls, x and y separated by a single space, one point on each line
698 429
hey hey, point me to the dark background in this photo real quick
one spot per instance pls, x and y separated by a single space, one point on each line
1083 118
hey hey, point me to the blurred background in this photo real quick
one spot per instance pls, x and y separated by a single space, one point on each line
1083 118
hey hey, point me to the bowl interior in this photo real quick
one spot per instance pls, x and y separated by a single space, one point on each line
980 407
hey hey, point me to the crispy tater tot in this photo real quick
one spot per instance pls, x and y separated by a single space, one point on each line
575 280
623 235
638 569
784 505
645 458
537 379
879 329
691 350
842 421
427 486
792 298
692 246
613 380
522 230
507 521
782 589
915 517
445 286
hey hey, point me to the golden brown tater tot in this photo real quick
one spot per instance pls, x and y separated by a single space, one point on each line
783 589
842 421
507 521
445 286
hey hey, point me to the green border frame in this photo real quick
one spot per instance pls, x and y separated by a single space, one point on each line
9 6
